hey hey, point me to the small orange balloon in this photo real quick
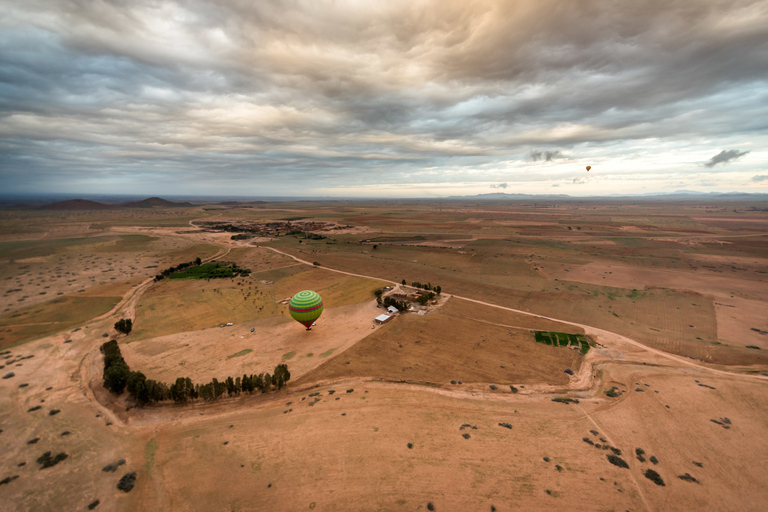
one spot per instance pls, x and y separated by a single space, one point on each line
588 168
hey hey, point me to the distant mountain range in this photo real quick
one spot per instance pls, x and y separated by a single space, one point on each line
677 194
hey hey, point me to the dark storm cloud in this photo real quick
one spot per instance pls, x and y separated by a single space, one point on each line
725 156
261 93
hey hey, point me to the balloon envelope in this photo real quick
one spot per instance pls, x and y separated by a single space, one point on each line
306 307
588 168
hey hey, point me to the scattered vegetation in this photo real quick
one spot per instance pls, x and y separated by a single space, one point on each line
613 392
640 454
688 478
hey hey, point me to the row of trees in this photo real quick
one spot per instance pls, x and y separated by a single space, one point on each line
181 266
118 377
428 286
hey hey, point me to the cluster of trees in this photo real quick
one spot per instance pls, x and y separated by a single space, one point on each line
425 297
181 266
118 377
401 305
124 325
233 229
427 286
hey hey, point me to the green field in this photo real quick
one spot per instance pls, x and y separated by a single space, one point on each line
562 339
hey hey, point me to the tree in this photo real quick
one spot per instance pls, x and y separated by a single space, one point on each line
136 381
402 282
124 325
116 376
198 261
438 290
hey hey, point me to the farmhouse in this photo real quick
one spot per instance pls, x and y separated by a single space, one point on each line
392 310
382 319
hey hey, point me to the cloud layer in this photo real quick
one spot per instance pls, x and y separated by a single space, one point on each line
380 98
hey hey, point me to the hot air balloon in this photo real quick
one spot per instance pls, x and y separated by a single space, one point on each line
588 168
306 307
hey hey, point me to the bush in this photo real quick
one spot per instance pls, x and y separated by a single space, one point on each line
688 478
565 400
654 477
513 389
612 392
654 459
127 482
47 461
617 461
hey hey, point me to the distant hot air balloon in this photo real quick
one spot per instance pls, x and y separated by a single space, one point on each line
588 168
306 307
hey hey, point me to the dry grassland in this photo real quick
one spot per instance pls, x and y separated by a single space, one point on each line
440 347
686 278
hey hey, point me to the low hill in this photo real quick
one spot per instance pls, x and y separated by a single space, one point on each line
154 202
77 204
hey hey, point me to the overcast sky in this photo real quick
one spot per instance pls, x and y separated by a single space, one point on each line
383 98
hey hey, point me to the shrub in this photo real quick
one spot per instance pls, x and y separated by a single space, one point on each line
127 482
565 400
654 477
513 389
47 461
612 392
410 445
654 459
688 478
617 461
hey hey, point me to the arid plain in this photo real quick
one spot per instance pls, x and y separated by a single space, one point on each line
447 407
